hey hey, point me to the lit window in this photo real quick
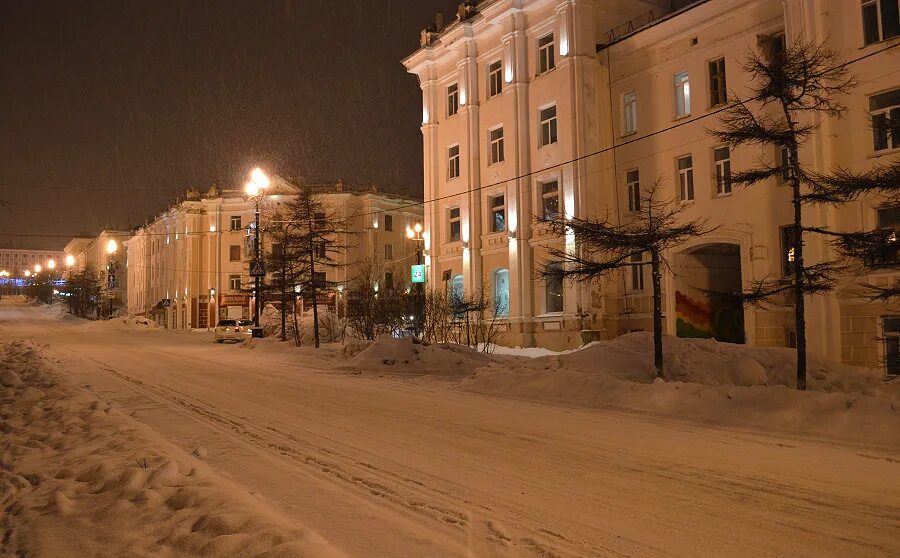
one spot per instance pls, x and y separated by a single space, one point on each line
457 292
885 114
498 214
495 78
550 199
548 126
633 182
788 250
501 292
453 162
455 225
722 157
717 88
686 177
889 225
880 19
682 95
637 272
452 99
553 287
629 101
496 141
545 54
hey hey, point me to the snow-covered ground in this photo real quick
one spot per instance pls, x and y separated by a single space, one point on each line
376 456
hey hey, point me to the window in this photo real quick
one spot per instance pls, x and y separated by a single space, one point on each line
452 99
234 282
498 214
718 93
501 292
773 46
319 220
457 292
320 250
495 78
236 223
388 252
722 158
629 100
319 279
889 223
783 155
545 54
453 162
388 222
633 182
550 199
455 225
234 253
553 288
885 112
686 177
277 250
682 95
388 280
891 334
496 141
880 19
548 126
788 240
637 272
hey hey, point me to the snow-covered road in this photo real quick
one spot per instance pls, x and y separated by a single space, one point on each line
380 467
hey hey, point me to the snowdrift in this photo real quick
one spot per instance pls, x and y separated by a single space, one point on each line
78 478
329 326
408 355
719 383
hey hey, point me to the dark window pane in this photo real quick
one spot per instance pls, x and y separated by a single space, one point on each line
890 19
879 132
870 23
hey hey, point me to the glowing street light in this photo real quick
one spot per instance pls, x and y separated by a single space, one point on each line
51 264
258 182
259 178
112 246
418 228
70 260
27 273
37 268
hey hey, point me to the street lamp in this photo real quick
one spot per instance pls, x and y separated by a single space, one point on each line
37 268
51 264
111 248
414 233
209 306
70 260
258 182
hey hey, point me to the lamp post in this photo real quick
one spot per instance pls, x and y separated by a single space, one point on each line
258 182
111 248
415 234
209 304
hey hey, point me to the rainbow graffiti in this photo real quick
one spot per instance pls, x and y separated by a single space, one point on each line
692 318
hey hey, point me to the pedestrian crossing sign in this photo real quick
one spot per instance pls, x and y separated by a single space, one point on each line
257 269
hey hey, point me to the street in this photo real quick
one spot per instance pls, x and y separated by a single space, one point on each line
382 467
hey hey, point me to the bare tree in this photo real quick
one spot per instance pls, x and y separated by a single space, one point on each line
603 246
792 88
377 303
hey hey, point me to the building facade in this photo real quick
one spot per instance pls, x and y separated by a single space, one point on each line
17 262
105 254
192 262
576 107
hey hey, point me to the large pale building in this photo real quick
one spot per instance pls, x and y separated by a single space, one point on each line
192 261
574 107
104 254
17 262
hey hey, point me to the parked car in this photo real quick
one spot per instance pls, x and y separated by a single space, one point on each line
233 330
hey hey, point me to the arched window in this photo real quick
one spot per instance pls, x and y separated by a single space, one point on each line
501 292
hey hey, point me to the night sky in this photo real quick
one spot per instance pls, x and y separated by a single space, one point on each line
111 109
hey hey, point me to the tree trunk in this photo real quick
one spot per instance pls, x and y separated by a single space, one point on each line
283 306
657 313
799 310
296 325
312 273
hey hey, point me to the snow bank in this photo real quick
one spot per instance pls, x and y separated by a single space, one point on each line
329 325
78 478
408 355
708 381
124 323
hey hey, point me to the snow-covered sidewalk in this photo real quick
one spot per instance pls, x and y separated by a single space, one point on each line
79 478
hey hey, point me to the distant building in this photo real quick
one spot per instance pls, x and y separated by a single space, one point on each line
105 254
17 262
204 243
549 107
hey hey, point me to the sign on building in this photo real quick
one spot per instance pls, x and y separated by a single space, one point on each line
418 273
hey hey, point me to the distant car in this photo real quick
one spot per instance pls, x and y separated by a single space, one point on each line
233 330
